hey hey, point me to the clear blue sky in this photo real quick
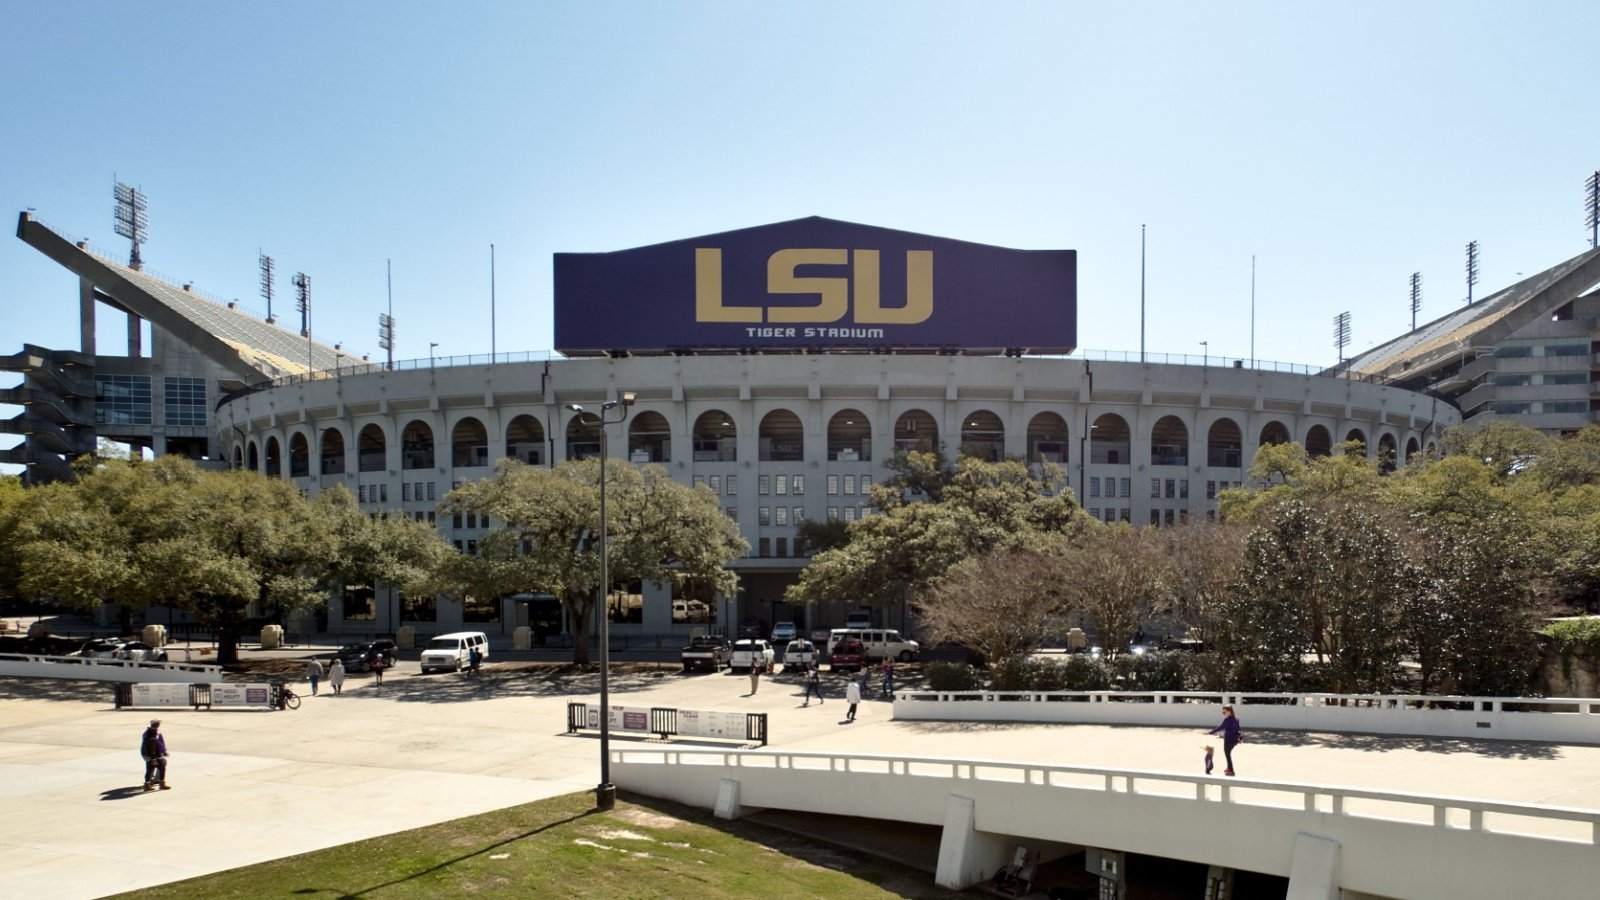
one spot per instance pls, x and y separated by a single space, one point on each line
1345 145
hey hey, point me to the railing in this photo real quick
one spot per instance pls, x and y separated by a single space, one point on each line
1562 719
85 668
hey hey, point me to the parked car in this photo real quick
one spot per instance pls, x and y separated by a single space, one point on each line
358 656
137 651
799 653
783 633
879 643
706 651
747 650
848 655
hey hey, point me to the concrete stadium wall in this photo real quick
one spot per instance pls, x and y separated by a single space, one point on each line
1560 720
1386 844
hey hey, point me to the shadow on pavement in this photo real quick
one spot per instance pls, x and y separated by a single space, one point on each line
123 793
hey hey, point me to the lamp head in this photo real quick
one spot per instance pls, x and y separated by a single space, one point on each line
628 397
575 407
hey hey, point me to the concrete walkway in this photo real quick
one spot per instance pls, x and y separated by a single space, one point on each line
251 786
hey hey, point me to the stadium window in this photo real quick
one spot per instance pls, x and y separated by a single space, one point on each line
1094 487
1211 490
1127 514
1094 512
430 490
1155 488
849 513
781 515
1172 489
764 485
1183 489
383 493
764 516
433 517
764 547
833 485
783 485
1127 487
1155 517
1171 515
455 521
361 493
833 514
799 515
849 485
732 512
782 546
405 492
699 481
799 484
733 485
716 484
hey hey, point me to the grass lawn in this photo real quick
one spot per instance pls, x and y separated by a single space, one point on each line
563 847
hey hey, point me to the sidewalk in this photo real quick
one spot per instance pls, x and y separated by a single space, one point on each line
250 786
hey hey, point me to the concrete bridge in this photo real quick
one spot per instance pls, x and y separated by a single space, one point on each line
1329 841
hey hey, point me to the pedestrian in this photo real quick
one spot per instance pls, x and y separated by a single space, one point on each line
888 677
813 685
314 673
474 659
852 696
153 747
1230 737
1211 752
378 665
755 673
336 675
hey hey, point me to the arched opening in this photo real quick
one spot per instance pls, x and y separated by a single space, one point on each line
1225 445
1109 438
1386 453
1274 433
525 440
916 430
1319 442
983 436
1047 438
715 437
372 450
649 439
238 457
416 446
1360 437
299 456
274 458
332 452
849 436
583 437
1411 450
1169 442
782 439
469 444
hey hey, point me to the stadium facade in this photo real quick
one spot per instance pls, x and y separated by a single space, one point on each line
780 366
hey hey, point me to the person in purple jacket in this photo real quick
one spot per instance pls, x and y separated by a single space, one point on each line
1230 736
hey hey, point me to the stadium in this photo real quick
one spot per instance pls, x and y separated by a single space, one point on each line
780 366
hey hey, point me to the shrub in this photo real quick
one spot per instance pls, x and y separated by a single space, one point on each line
950 676
1010 674
1575 636
1085 673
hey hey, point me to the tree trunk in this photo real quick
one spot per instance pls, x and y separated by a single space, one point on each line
579 610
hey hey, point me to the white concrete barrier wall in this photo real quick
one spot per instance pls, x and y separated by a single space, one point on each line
95 669
1561 720
1391 844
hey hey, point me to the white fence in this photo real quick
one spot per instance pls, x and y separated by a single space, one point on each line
1387 844
1561 720
84 668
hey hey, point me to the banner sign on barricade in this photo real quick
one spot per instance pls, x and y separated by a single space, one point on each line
242 695
668 722
162 694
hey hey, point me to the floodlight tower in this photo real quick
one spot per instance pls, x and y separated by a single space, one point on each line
302 289
1472 268
266 284
386 320
1591 203
1341 332
1416 297
131 220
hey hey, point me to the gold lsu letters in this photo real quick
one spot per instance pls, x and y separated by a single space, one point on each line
832 293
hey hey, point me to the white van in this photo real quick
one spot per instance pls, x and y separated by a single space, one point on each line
452 652
877 643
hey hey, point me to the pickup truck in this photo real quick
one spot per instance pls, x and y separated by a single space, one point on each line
848 655
706 652
747 650
800 653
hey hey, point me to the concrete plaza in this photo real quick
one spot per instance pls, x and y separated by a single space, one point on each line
250 786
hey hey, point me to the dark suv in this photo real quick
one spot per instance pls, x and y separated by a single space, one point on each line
358 657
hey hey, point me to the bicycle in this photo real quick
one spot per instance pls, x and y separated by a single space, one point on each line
286 698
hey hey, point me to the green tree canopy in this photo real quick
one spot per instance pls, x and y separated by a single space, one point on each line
545 536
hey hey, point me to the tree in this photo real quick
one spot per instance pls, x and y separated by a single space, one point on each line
999 605
1206 559
901 551
546 536
1117 577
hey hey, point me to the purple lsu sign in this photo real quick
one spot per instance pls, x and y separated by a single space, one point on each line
816 284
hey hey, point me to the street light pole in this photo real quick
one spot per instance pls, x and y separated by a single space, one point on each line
431 345
605 795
